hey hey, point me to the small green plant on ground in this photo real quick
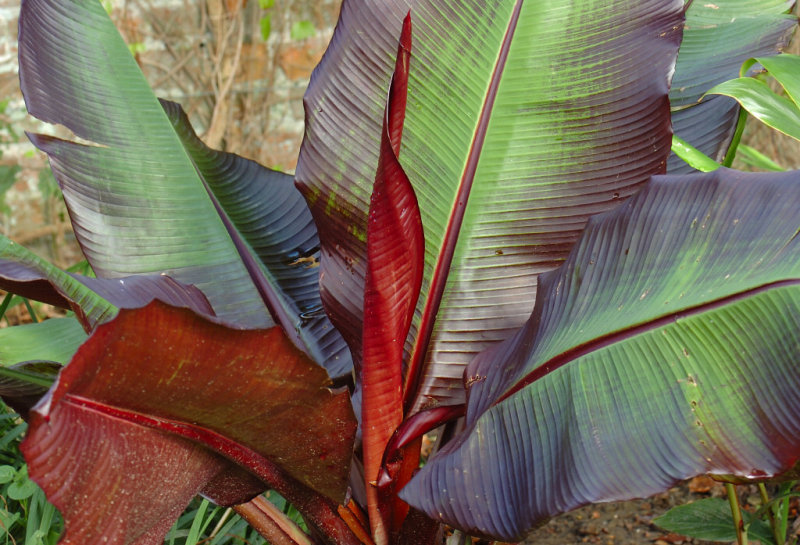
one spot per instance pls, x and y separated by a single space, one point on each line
479 238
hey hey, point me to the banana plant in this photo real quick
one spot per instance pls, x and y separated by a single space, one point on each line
501 256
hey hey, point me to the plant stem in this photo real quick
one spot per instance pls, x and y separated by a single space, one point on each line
779 538
4 305
30 311
741 535
737 137
271 523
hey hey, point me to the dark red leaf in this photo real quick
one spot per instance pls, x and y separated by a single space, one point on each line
160 395
395 249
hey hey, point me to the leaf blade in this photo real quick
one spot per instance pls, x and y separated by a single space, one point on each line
285 440
663 365
488 100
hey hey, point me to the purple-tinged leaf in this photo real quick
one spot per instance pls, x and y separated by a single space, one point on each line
512 140
189 410
665 347
138 195
94 300
274 221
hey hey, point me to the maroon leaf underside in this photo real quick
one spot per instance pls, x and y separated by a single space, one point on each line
395 250
114 481
162 396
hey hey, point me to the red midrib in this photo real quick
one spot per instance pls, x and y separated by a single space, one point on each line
442 269
616 336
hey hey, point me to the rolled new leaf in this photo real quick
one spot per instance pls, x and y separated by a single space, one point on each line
395 258
160 404
665 347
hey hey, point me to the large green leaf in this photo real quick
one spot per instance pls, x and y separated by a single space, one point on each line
137 203
271 215
666 346
512 139
719 36
147 197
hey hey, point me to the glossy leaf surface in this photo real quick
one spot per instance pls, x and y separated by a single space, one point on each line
144 430
720 36
508 153
148 198
115 187
274 220
666 346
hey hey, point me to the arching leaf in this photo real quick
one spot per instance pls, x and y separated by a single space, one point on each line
666 346
147 197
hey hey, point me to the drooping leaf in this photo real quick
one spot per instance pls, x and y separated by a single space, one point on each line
395 258
781 112
192 407
274 220
94 300
720 36
666 346
508 154
141 202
